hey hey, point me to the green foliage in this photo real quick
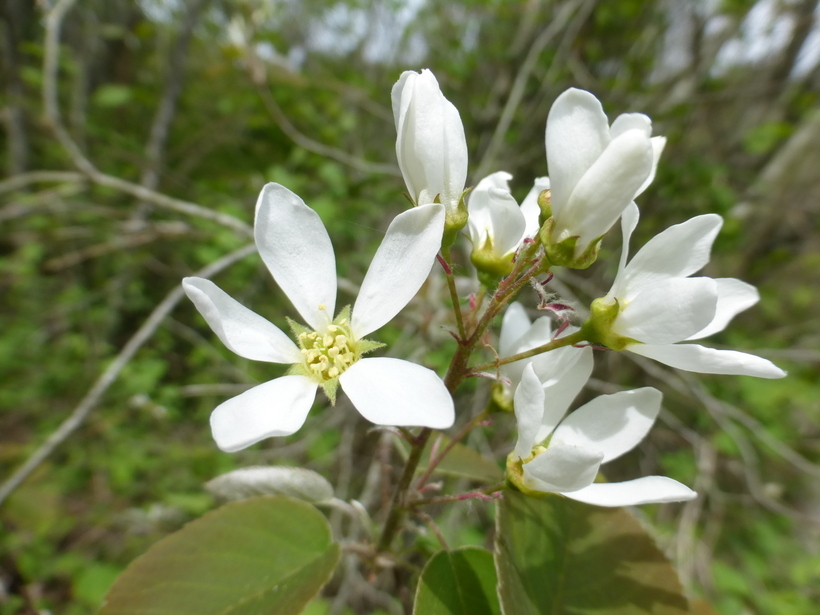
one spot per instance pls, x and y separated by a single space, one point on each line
555 555
461 461
267 554
458 582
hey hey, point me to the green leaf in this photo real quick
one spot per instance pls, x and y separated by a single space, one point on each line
263 555
459 582
555 555
460 461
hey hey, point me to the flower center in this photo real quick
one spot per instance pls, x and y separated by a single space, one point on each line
327 355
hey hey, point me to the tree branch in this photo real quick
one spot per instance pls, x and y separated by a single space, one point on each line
107 378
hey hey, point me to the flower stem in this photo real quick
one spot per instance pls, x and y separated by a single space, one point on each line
459 436
569 340
447 265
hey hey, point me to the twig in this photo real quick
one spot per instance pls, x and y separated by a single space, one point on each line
319 148
24 179
520 84
432 525
107 378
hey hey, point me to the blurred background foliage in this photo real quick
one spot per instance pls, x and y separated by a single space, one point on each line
206 100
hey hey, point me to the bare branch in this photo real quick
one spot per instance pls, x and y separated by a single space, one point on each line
517 92
320 148
25 179
53 21
107 378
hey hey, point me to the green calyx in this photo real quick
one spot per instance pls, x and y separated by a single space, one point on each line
327 354
515 475
598 327
454 220
487 261
545 205
500 399
562 253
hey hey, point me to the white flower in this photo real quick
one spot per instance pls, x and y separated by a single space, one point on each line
658 304
564 370
296 248
595 170
563 456
430 145
497 225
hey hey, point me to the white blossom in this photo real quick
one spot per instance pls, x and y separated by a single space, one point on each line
296 248
496 223
563 454
430 146
595 169
565 369
659 305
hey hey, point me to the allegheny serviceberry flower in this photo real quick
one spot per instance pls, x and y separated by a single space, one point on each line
595 171
653 303
564 370
296 248
430 146
497 225
563 456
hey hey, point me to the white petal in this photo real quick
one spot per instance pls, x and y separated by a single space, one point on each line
629 220
677 252
539 333
529 406
508 223
562 469
658 143
276 408
530 208
734 296
296 248
455 155
480 221
669 311
399 268
402 95
613 424
577 133
697 358
513 326
245 332
394 392
630 121
560 393
646 490
605 190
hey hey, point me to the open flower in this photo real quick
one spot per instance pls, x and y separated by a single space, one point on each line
296 248
564 370
497 225
430 146
653 303
563 456
595 169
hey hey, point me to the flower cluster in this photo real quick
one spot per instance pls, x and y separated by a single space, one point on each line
596 170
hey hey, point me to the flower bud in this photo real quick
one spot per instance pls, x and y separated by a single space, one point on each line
430 144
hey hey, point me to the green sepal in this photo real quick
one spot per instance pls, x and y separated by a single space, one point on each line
297 329
343 315
562 253
515 477
364 346
500 399
545 205
330 387
486 261
454 220
298 369
598 327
